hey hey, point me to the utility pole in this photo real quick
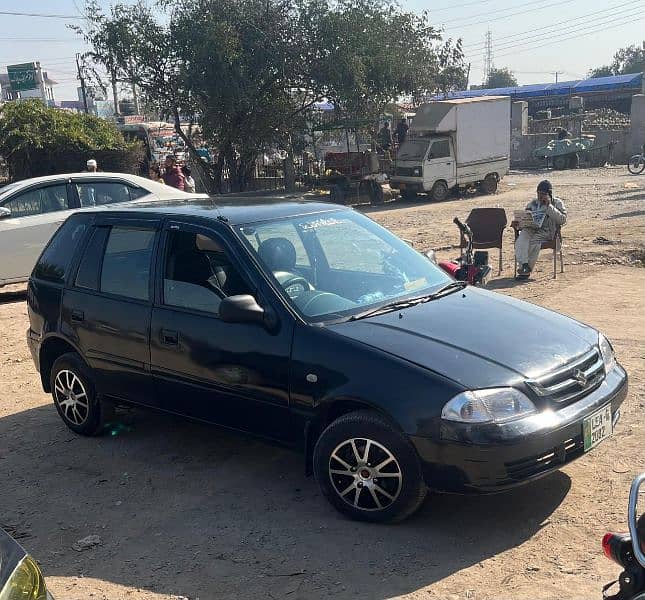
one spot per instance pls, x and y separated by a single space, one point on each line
82 79
488 56
556 73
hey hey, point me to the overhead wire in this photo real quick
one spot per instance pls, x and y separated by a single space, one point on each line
566 22
553 43
556 34
508 16
492 12
43 15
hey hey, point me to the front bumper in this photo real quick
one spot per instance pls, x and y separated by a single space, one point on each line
489 458
407 184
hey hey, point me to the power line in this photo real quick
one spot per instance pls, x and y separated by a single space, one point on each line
491 12
582 27
435 10
43 15
508 16
556 26
528 49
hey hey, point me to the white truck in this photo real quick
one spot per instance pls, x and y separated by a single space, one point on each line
455 143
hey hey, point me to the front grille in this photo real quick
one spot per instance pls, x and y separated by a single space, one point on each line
409 171
534 465
571 382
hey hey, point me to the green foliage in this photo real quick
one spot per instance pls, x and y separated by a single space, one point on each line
37 140
630 59
251 70
498 78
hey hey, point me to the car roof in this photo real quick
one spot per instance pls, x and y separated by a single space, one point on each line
160 189
237 210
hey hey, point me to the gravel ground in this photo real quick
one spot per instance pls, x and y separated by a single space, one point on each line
184 510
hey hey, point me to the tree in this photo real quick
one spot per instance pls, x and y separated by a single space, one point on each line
630 59
251 70
498 78
37 140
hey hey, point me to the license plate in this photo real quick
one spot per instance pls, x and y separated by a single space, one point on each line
597 427
401 186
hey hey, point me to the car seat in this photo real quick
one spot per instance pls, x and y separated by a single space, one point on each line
278 254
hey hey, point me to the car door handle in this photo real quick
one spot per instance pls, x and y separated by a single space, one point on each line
448 163
169 338
77 316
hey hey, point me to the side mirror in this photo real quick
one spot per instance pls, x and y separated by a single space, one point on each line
431 256
245 309
5 213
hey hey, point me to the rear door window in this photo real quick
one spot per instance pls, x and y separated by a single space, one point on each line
55 260
98 193
126 262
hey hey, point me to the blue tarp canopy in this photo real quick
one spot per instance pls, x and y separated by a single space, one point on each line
632 81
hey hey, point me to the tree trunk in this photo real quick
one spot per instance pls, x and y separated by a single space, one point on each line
210 177
289 173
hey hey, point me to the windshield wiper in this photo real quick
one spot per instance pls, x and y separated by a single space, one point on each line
408 302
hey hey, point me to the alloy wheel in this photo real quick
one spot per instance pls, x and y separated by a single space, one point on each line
71 396
365 474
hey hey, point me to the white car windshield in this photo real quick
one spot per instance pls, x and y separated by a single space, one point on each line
336 265
413 150
4 191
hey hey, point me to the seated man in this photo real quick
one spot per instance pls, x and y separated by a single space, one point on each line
551 212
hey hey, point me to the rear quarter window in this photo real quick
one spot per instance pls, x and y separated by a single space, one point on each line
53 264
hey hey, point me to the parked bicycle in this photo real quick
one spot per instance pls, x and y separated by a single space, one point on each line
636 164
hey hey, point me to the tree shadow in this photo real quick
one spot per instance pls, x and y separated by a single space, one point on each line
184 508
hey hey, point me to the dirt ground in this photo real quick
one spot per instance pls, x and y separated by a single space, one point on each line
184 510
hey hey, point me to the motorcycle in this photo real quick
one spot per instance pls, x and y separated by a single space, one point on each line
470 266
628 551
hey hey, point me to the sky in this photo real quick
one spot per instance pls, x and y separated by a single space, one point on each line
534 38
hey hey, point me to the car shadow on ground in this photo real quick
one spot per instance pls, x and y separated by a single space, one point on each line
12 296
506 283
184 508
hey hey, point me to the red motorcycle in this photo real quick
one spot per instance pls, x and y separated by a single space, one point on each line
628 551
470 266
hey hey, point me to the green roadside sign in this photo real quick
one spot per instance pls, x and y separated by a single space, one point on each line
22 77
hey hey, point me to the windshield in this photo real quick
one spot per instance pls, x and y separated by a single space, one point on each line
413 150
4 190
338 264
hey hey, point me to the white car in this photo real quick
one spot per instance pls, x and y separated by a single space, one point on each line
32 210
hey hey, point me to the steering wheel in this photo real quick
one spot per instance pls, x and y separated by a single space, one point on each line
295 285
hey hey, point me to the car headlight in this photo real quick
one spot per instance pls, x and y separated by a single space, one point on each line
494 405
25 583
607 352
417 172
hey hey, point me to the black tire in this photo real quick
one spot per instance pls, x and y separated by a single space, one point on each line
560 162
489 185
574 161
403 489
636 164
439 191
82 410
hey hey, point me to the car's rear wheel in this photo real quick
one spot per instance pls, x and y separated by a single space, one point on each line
75 395
489 185
367 469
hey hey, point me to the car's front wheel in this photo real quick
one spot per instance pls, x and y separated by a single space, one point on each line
75 396
367 469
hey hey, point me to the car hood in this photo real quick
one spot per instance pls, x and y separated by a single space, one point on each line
476 337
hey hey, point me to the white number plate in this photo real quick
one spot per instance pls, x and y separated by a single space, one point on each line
597 427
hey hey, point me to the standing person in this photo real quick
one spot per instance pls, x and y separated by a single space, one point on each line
385 136
172 173
551 211
402 130
92 166
189 182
